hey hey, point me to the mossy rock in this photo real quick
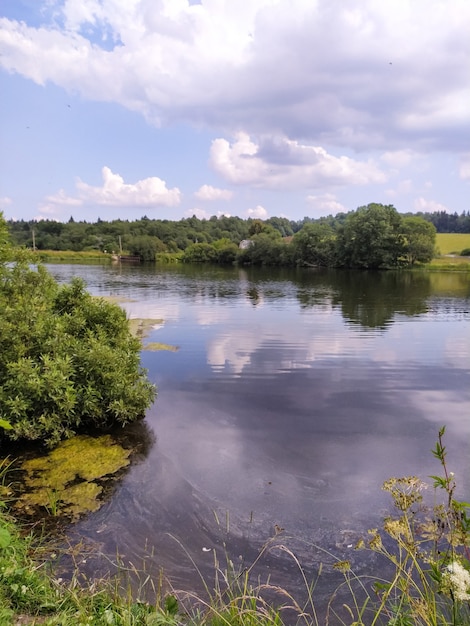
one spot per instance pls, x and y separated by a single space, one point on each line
65 481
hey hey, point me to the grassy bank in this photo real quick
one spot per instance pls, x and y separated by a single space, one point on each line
71 255
448 264
30 594
427 548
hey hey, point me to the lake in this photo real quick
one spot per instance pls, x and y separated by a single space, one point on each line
292 396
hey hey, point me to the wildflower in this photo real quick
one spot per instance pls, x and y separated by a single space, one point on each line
457 579
405 491
376 542
397 528
342 566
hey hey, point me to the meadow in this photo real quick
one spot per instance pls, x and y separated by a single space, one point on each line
452 243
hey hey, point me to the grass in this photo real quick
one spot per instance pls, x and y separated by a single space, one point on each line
71 255
452 243
449 247
427 549
448 264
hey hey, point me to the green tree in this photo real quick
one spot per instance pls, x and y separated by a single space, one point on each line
145 246
315 245
420 239
371 237
200 253
264 250
68 362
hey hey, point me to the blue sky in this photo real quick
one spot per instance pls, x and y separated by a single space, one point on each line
169 108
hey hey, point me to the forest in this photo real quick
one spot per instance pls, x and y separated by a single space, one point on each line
374 236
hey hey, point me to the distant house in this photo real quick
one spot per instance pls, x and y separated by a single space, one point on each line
245 243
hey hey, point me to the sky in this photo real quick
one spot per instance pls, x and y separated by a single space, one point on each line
256 108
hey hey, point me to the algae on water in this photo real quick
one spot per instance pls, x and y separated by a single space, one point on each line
153 347
141 327
65 481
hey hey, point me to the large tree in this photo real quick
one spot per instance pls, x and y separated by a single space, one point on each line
315 245
371 238
420 239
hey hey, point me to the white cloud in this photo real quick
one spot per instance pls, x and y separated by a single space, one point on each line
48 212
148 193
361 74
281 163
258 212
326 204
202 214
62 199
207 192
4 202
421 204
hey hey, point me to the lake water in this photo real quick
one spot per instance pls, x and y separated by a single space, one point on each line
292 396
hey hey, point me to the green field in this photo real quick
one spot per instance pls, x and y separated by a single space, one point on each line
452 243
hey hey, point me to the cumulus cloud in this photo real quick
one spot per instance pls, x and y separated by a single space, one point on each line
148 192
114 192
421 204
207 192
4 202
281 163
62 199
258 212
359 74
202 214
326 204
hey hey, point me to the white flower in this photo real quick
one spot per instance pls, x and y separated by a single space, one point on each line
459 580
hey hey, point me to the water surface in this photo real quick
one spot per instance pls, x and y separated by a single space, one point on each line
292 397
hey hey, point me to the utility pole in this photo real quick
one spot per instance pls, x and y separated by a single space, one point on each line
34 241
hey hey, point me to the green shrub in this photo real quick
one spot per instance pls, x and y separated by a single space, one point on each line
68 361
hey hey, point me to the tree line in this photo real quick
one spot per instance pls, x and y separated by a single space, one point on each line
373 236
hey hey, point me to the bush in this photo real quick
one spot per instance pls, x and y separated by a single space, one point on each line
68 361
